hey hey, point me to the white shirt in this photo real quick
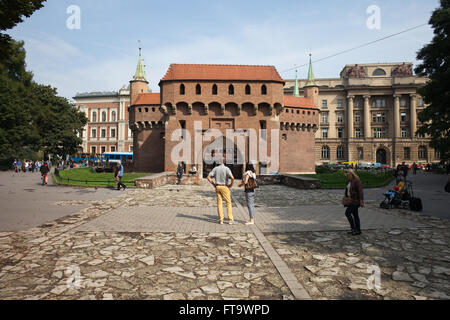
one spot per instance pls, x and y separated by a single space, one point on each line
250 174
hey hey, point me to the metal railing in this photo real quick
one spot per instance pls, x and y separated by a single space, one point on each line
87 182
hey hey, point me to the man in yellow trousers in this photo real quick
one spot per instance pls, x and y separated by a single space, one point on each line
222 175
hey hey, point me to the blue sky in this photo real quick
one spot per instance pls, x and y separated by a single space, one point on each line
102 54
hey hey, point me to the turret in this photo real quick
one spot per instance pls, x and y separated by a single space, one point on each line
311 88
139 84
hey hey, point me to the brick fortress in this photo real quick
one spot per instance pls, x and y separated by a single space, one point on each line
239 97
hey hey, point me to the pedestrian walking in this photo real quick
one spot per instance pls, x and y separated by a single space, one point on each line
118 176
44 173
353 200
405 169
222 175
249 183
180 172
414 168
15 165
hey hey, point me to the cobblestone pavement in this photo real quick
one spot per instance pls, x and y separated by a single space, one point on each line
224 262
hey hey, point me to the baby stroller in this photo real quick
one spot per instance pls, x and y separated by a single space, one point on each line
398 198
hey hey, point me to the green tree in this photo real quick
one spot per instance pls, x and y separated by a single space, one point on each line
18 138
56 121
32 116
12 12
435 66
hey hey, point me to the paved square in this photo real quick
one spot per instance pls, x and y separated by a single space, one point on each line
204 219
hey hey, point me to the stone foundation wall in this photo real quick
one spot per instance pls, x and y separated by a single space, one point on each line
161 179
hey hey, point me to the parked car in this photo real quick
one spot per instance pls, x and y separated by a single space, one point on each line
364 165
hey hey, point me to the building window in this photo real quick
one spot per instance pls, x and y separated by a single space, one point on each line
104 116
379 117
146 109
379 103
131 149
182 89
379 133
94 133
356 103
284 136
340 105
231 89
325 153
340 153
403 116
113 149
324 104
340 118
248 90
358 133
340 133
103 150
198 89
263 89
93 150
214 89
113 116
325 117
437 155
404 133
357 117
113 132
324 133
403 102
420 102
360 153
407 153
379 72
423 155
103 133
94 116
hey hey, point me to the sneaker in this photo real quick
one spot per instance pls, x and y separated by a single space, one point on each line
220 222
232 222
249 223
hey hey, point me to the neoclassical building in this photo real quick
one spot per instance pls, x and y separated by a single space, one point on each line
221 97
107 128
369 114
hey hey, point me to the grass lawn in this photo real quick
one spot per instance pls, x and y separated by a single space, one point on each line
78 177
337 179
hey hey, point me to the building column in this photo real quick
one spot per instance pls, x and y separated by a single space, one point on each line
350 124
397 116
367 117
413 117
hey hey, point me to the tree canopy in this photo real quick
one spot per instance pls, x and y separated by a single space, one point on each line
33 118
435 66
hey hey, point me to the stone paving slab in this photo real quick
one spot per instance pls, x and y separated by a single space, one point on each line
204 219
166 219
325 218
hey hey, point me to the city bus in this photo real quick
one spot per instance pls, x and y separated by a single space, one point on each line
82 157
115 157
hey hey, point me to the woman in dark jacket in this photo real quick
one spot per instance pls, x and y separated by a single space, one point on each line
354 191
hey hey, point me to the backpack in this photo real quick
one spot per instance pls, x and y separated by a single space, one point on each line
252 184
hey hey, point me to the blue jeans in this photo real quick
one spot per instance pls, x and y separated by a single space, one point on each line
250 199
